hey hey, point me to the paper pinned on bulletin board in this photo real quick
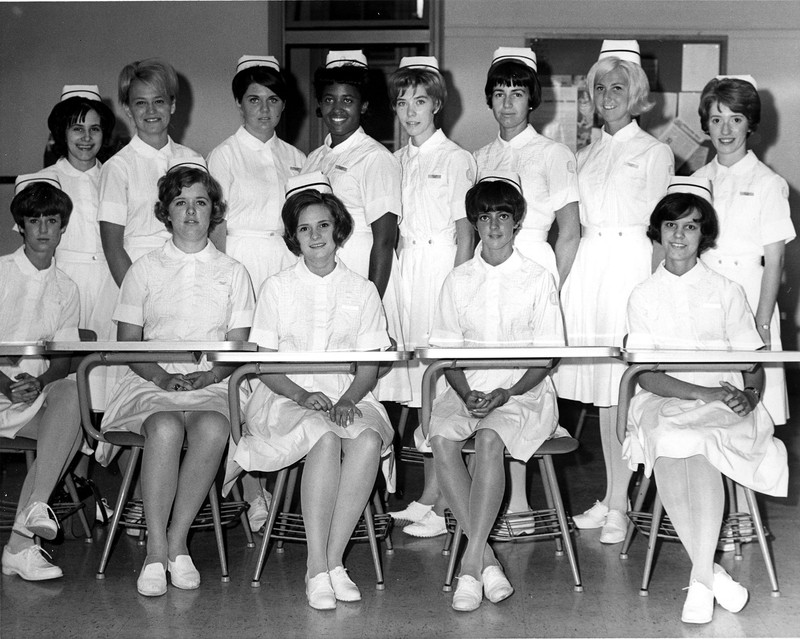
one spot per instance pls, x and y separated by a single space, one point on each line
700 63
684 142
556 117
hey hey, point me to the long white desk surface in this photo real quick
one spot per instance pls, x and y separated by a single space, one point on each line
315 357
149 347
527 352
707 356
20 349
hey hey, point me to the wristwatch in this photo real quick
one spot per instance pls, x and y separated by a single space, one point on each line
764 327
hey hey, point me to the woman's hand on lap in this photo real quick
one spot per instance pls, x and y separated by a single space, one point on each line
344 412
315 401
200 379
496 398
25 389
172 383
739 401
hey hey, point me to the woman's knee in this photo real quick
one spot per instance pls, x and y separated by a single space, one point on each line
488 442
166 428
209 426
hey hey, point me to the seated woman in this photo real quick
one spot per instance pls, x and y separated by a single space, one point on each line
498 298
185 290
38 302
691 428
331 419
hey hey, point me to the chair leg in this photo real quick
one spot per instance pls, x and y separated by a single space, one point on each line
548 496
287 500
762 540
237 496
644 485
451 563
401 424
378 505
448 544
581 422
280 486
73 494
373 545
655 525
562 521
213 499
122 497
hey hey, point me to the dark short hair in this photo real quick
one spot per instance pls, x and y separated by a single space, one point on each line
511 73
738 95
679 205
410 78
355 76
299 202
40 199
179 178
72 111
152 71
265 76
494 196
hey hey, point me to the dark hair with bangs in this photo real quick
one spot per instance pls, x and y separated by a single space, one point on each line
354 75
496 195
676 206
181 177
299 202
40 199
511 73
738 95
72 111
265 76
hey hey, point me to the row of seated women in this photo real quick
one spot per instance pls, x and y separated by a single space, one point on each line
618 180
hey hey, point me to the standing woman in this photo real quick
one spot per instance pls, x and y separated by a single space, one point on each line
546 167
366 177
752 202
621 176
252 167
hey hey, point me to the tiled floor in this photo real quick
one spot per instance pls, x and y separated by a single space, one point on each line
413 604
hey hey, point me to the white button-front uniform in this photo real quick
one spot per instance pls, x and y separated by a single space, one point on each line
300 311
365 176
34 305
549 182
621 179
700 310
177 296
512 304
253 177
752 204
436 177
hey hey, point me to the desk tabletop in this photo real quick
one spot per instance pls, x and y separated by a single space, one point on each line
149 347
19 349
707 357
526 352
310 357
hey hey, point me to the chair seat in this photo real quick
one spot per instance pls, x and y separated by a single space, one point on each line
555 446
124 438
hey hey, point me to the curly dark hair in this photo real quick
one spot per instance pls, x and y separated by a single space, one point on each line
171 185
299 202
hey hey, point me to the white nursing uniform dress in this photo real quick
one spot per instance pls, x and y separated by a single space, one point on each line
300 311
436 178
752 204
34 305
621 178
366 177
253 177
700 310
512 304
549 182
177 296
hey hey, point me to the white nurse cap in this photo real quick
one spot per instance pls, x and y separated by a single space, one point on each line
24 181
88 91
743 78
520 54
622 49
189 163
316 180
351 58
699 186
425 62
247 61
499 175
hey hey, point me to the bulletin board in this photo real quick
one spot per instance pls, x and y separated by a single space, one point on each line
677 68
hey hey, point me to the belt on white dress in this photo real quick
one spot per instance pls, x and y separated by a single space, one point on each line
535 235
79 257
731 261
419 242
253 233
638 230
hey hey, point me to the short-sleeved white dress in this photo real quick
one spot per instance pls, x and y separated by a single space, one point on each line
300 311
436 177
253 177
366 177
621 177
700 310
512 304
177 296
752 204
34 305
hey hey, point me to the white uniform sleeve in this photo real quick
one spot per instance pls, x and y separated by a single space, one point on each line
113 205
219 166
67 329
266 316
639 323
740 324
132 295
660 168
381 187
463 170
775 216
372 333
562 177
548 323
242 299
446 330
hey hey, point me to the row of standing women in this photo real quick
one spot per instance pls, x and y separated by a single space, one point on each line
617 179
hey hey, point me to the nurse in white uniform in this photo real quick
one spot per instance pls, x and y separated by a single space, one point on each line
252 167
752 203
547 168
366 177
621 176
